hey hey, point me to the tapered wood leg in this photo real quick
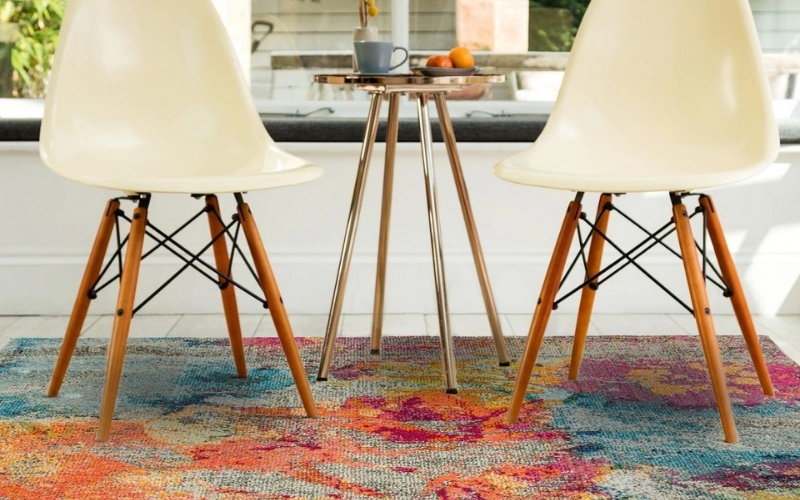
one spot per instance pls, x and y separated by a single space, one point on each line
276 308
544 307
392 126
702 314
82 301
122 320
588 292
227 290
737 297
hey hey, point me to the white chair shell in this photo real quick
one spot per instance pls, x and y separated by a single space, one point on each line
658 95
144 98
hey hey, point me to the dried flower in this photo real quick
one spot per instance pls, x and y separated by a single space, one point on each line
366 9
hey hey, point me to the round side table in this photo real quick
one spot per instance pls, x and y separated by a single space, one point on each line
422 89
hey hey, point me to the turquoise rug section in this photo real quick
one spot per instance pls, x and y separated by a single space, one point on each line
640 423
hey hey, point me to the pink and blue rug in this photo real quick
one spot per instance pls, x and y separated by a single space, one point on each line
640 424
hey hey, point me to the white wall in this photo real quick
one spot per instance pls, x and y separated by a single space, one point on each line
48 225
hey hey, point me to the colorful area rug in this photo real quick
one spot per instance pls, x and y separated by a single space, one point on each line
640 424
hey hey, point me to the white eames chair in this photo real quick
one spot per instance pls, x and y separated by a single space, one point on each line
658 95
146 97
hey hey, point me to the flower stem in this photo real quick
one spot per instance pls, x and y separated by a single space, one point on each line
362 13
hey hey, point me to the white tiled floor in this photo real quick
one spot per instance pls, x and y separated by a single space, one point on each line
467 325
783 330
559 324
41 326
360 325
639 324
6 320
303 325
209 325
143 326
724 324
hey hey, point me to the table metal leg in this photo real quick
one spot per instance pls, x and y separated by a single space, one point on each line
448 359
386 210
350 234
472 231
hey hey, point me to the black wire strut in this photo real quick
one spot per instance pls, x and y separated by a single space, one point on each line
653 239
234 246
189 258
706 261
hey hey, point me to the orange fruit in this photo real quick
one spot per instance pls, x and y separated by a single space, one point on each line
439 62
462 57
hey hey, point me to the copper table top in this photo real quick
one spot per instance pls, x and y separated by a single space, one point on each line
407 82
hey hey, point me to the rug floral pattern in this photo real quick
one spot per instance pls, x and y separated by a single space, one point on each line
640 423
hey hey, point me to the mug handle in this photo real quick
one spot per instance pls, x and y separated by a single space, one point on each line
404 58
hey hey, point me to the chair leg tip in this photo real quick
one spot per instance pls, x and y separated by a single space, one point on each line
451 391
53 388
505 363
322 379
374 351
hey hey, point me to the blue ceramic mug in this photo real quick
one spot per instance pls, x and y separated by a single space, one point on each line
376 56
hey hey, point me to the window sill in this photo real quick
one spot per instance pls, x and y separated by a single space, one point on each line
480 127
518 128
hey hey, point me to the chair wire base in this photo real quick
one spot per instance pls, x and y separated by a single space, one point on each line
697 276
128 275
627 258
190 259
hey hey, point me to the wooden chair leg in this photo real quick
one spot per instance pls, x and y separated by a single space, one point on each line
122 320
702 314
544 307
227 290
588 293
737 297
82 301
276 308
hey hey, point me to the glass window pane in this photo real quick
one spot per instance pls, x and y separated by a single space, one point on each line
506 36
294 39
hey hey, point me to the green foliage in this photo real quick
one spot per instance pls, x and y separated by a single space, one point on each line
38 23
576 7
550 30
554 23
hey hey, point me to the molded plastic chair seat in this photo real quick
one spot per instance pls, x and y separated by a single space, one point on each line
142 106
146 97
280 169
625 168
658 95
